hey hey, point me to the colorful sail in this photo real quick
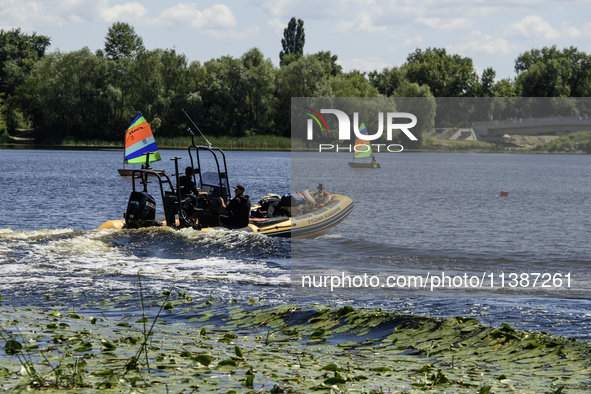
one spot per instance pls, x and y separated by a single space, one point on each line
362 146
139 140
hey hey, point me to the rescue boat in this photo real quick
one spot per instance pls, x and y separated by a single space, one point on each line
294 215
311 220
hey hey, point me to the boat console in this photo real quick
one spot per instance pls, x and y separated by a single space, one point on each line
195 211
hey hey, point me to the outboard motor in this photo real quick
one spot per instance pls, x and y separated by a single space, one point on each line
171 208
141 210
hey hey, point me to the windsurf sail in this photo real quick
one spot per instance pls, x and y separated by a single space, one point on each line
362 146
139 140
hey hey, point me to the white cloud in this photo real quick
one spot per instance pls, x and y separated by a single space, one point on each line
218 16
122 12
27 14
277 26
231 33
587 29
570 32
366 64
279 8
413 41
445 23
533 26
363 22
39 14
476 42
344 27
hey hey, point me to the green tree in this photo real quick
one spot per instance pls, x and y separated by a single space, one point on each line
505 88
418 100
327 57
292 42
259 77
19 52
387 81
148 84
122 41
487 83
123 47
353 84
223 91
173 74
4 136
446 75
412 89
306 77
74 97
549 72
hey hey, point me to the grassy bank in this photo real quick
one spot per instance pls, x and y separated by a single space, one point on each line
254 348
579 142
434 145
257 142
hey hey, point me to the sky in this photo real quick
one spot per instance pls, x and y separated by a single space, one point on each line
366 35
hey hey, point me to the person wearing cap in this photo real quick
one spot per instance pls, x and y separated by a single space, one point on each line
237 209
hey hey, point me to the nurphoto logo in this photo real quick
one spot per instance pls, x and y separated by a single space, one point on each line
360 131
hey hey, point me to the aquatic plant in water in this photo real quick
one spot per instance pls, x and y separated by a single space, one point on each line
251 347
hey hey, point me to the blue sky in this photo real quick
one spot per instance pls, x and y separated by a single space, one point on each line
365 34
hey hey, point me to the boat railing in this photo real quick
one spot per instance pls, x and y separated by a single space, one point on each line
220 163
143 176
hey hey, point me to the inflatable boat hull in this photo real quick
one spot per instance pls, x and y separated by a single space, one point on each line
309 225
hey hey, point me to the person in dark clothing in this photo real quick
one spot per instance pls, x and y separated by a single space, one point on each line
187 185
189 193
237 209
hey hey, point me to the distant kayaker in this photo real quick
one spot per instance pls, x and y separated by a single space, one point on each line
237 209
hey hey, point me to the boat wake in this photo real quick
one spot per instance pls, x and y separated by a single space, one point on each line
104 260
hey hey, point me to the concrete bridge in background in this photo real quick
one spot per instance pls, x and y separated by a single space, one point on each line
502 130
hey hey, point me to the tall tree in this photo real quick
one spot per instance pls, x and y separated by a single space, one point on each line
549 72
353 84
122 41
306 77
487 82
327 57
387 81
259 77
446 75
505 88
292 42
73 96
123 46
19 52
223 90
4 136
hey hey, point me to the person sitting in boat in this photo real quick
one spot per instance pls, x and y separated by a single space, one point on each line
189 193
187 185
373 160
237 209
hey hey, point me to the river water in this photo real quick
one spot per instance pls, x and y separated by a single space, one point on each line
421 215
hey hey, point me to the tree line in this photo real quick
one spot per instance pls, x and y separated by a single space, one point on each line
83 95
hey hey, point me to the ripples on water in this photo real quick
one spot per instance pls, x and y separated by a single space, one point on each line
419 213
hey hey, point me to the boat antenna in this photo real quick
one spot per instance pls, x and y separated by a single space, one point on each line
197 127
